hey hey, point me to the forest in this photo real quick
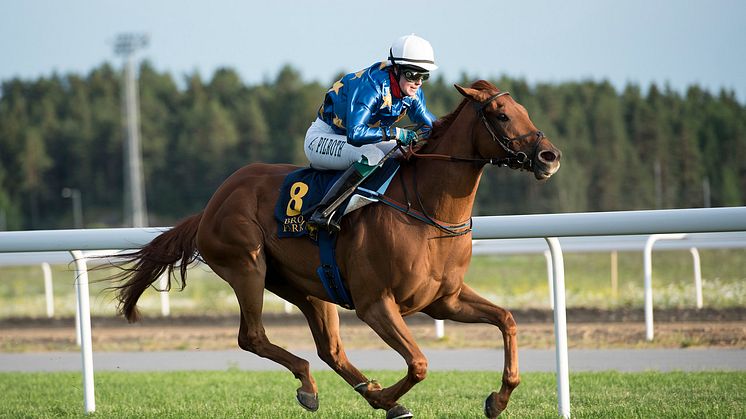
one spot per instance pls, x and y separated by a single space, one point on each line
644 147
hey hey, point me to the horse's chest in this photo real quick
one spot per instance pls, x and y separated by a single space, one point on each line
447 266
448 256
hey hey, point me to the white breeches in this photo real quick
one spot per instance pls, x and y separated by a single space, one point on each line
330 151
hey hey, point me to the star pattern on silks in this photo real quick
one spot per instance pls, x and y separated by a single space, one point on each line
338 122
359 74
386 101
383 65
336 86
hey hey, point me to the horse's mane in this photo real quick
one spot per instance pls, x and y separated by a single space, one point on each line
442 124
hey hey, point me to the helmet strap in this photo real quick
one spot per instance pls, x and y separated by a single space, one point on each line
394 65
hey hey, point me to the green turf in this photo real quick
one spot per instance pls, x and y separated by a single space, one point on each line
518 281
442 395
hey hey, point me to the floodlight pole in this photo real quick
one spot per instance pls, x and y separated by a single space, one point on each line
135 213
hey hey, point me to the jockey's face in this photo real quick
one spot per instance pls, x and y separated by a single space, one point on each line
410 80
409 88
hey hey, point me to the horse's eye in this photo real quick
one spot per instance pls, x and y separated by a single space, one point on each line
501 116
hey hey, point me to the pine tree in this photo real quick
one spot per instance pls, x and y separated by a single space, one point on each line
573 138
609 188
66 131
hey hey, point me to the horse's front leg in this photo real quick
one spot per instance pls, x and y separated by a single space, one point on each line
384 318
469 307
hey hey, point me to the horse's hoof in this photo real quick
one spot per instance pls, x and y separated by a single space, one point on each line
309 401
398 412
491 408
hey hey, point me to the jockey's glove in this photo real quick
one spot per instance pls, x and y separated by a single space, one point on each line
424 132
405 136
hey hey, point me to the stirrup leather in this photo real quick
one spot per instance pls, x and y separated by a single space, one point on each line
326 215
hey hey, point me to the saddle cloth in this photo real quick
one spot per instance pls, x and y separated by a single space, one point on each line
304 188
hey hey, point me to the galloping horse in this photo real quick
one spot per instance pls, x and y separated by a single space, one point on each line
393 264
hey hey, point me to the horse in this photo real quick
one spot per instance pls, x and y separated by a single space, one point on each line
393 263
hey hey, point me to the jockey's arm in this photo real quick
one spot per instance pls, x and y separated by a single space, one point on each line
359 114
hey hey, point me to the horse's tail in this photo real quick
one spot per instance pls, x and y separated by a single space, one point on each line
177 245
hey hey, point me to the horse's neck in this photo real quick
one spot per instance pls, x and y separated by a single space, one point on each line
447 189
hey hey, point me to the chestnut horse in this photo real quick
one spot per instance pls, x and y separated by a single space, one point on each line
393 264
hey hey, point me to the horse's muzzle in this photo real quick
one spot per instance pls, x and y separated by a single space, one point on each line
546 161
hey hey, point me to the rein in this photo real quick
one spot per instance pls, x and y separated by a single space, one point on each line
514 160
450 229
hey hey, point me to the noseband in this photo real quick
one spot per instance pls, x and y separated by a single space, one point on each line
514 159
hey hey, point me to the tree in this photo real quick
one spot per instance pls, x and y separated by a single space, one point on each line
290 107
34 162
105 157
574 177
614 163
159 110
66 131
13 122
254 133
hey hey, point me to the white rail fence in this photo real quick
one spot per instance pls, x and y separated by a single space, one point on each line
611 244
636 243
549 226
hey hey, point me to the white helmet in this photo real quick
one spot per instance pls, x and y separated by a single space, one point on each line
413 51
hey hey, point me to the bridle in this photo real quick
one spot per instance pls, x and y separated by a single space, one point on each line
513 159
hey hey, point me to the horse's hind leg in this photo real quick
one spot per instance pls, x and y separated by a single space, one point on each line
247 277
469 307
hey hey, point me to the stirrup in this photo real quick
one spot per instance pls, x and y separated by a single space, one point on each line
327 214
318 221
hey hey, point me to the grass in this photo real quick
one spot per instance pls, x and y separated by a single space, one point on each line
236 393
511 281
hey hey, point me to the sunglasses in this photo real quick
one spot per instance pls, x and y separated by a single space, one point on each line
413 76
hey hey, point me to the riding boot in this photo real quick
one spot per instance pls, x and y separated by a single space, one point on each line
348 180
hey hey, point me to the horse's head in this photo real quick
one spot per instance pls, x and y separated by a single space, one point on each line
504 133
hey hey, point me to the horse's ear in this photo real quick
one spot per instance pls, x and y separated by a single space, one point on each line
468 92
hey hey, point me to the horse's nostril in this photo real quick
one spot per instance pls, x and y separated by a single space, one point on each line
547 156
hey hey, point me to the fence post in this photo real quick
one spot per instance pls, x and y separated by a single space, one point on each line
697 276
648 272
560 328
440 331
550 277
614 275
84 319
48 289
165 302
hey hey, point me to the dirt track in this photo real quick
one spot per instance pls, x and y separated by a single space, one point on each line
586 329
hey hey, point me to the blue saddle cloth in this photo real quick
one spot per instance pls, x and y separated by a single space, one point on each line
304 188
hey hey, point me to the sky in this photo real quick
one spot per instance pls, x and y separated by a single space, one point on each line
667 42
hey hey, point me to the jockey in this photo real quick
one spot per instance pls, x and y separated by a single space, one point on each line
354 129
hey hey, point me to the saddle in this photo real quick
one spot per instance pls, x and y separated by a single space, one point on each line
301 192
304 188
